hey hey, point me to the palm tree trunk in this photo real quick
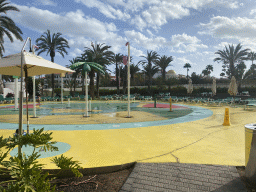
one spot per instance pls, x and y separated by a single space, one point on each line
187 73
164 74
91 75
149 83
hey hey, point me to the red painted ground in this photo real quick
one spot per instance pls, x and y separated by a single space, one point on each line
164 106
30 106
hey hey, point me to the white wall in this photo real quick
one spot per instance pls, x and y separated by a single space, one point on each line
11 86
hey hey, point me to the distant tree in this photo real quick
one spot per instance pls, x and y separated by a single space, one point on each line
7 25
75 74
133 70
51 44
99 53
231 56
222 74
187 65
252 56
151 58
118 59
196 79
163 63
251 73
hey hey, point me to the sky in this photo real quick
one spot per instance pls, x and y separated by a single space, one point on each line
190 31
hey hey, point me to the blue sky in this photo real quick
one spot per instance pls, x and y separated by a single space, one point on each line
190 31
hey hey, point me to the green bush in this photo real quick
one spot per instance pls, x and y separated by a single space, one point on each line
25 172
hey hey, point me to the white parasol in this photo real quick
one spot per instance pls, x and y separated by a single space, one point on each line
214 86
32 65
190 87
232 90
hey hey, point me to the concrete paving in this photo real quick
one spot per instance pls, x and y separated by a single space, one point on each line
177 177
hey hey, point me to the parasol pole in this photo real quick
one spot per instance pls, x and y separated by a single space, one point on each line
26 84
16 93
21 93
34 96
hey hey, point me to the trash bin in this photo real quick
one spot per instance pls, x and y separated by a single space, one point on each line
250 152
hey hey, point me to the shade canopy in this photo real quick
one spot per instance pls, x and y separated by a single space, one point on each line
214 87
36 65
232 90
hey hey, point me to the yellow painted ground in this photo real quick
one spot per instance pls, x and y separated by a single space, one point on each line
118 117
204 141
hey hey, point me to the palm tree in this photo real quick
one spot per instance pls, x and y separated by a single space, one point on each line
251 73
151 58
205 72
133 70
209 69
7 26
118 58
163 63
100 54
52 44
75 74
187 65
232 55
252 56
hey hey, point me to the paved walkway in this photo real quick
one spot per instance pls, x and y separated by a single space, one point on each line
176 177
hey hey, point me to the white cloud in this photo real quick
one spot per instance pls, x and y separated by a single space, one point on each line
11 48
71 24
182 61
45 2
143 41
188 43
157 16
105 9
76 52
139 22
252 11
136 52
150 33
235 28
157 13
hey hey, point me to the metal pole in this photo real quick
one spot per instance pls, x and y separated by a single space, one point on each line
119 78
62 75
34 96
26 84
16 94
128 79
86 96
21 94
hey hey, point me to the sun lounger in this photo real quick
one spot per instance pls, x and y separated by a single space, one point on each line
250 104
148 97
1 99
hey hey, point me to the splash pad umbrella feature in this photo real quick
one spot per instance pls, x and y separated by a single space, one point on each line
86 67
